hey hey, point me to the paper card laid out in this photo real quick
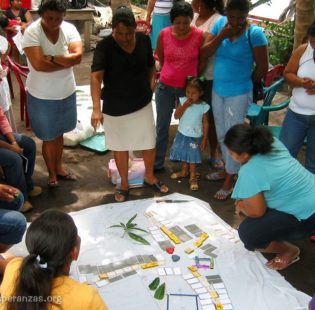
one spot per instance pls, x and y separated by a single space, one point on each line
196 286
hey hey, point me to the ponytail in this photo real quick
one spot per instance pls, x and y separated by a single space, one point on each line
49 240
242 138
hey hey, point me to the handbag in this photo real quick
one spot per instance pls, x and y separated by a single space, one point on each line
258 86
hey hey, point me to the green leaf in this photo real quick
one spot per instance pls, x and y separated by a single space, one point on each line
122 225
115 226
159 293
140 229
138 238
130 221
132 225
154 284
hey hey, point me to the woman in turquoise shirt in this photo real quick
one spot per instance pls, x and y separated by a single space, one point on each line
274 191
237 45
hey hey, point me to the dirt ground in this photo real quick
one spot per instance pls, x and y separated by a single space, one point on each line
93 188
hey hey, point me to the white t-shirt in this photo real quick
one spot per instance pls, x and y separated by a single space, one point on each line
301 102
50 85
206 27
5 97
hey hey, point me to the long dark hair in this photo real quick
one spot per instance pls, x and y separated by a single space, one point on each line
53 5
239 5
49 240
242 138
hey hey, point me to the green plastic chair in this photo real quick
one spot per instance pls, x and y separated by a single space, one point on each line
258 115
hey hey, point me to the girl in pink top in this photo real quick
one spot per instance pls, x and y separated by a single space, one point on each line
178 52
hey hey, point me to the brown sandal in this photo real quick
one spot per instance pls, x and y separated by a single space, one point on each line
193 184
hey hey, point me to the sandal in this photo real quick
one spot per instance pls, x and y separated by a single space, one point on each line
123 193
52 183
70 176
281 262
179 175
193 184
215 176
223 194
216 163
158 185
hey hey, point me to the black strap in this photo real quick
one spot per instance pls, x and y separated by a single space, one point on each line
249 39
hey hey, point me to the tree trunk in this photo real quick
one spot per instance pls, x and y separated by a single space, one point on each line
304 16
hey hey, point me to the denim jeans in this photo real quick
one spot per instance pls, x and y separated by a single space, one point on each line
295 128
165 99
12 222
227 112
257 233
14 166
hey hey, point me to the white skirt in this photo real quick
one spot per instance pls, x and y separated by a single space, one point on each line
131 132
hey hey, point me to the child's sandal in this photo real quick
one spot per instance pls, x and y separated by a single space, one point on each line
179 175
193 184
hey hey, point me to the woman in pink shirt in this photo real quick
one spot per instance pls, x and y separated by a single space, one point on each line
17 159
178 52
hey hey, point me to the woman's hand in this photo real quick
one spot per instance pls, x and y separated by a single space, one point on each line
96 119
227 31
203 144
16 148
8 193
238 207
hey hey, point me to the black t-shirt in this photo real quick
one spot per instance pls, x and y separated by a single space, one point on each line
9 14
126 82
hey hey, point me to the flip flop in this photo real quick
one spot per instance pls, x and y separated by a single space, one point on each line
215 176
216 163
193 184
179 175
52 183
223 194
284 262
158 185
122 192
70 176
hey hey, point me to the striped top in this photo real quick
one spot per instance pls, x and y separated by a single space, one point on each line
162 6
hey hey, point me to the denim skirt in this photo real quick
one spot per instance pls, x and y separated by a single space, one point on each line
50 119
186 149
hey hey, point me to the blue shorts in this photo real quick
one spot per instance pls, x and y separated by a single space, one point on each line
52 118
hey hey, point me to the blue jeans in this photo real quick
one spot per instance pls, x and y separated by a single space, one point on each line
12 222
227 112
165 98
257 233
294 130
14 166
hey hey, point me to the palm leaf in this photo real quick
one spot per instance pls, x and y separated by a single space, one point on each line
115 226
137 238
140 229
159 293
130 221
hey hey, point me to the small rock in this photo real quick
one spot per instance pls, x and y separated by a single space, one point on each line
175 258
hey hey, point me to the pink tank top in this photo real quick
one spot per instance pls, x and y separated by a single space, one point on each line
181 57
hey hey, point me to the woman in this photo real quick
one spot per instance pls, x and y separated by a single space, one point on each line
275 193
41 279
299 122
236 45
206 14
161 17
178 51
17 159
123 62
52 47
12 222
17 12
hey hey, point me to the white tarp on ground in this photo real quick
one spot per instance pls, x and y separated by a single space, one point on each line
250 285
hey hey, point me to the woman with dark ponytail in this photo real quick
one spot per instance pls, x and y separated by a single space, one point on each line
41 280
275 193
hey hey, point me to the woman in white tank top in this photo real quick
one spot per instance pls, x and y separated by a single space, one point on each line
299 122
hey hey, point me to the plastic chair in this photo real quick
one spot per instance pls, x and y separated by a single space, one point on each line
20 72
255 110
143 26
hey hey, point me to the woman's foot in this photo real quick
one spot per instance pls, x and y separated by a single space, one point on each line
215 176
223 194
285 259
216 163
67 176
36 191
158 185
121 195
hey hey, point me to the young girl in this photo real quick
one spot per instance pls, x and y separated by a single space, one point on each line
191 137
53 243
